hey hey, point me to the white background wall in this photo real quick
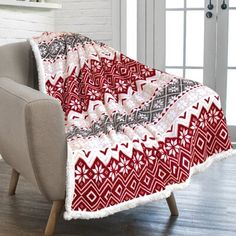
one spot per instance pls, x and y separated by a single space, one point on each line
89 17
17 23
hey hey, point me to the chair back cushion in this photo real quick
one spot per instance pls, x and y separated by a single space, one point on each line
17 62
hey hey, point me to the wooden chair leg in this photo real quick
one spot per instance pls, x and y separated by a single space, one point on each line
13 182
53 217
172 205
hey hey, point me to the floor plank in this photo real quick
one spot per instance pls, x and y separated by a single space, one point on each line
207 207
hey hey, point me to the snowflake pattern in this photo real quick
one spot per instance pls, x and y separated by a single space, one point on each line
151 157
81 174
75 104
113 171
96 66
98 173
172 99
60 87
121 85
124 165
159 104
138 163
213 116
164 155
203 120
146 71
172 147
94 94
184 137
107 88
107 64
50 90
173 89
193 125
125 58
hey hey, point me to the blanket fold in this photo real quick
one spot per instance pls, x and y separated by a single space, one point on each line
134 133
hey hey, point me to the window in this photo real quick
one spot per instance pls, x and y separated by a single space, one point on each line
131 30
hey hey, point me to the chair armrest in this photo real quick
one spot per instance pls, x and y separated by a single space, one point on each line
32 136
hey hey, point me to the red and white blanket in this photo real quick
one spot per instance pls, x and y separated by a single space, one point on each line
135 134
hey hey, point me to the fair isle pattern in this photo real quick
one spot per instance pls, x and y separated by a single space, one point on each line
59 46
157 130
107 77
148 113
133 131
151 169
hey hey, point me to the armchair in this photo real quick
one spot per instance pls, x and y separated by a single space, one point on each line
33 145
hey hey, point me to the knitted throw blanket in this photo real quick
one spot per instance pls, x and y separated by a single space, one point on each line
134 133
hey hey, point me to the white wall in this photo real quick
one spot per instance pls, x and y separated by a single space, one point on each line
17 24
90 17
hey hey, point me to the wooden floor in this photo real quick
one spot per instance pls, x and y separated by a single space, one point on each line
207 207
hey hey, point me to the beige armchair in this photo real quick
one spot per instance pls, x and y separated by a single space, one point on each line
31 143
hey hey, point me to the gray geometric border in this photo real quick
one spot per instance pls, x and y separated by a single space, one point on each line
59 46
147 114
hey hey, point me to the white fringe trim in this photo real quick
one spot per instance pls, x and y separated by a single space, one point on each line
69 214
40 68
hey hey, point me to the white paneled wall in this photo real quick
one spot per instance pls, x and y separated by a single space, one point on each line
90 17
17 24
